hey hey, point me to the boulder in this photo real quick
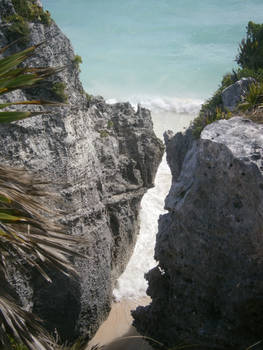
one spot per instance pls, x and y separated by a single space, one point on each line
234 94
101 159
207 288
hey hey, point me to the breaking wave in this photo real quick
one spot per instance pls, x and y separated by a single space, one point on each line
167 113
164 104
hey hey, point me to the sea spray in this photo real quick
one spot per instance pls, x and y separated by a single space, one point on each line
132 284
168 113
163 104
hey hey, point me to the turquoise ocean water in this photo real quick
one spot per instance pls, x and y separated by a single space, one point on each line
169 55
155 48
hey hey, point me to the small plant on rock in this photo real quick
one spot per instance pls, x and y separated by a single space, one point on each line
77 61
202 120
104 133
58 89
17 27
254 97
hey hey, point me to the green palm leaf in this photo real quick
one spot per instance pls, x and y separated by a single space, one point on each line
24 78
12 61
13 78
25 325
33 102
29 235
27 228
8 117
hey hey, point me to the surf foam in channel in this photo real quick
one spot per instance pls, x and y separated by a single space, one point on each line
132 284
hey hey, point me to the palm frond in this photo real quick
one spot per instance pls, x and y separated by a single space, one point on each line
27 229
13 78
8 117
33 102
10 62
29 235
24 326
24 78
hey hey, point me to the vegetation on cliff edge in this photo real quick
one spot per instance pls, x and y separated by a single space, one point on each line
250 61
18 23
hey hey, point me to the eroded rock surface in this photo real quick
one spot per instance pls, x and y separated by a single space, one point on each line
235 93
101 158
208 286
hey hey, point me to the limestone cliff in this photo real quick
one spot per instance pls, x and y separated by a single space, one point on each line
101 158
208 287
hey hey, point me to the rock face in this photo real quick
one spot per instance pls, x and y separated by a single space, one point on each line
234 93
101 158
208 286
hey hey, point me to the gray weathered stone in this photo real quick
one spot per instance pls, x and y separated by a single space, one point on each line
101 158
233 94
208 286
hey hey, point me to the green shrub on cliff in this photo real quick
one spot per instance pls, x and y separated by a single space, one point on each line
26 11
212 109
250 54
77 61
58 89
18 27
254 97
204 119
31 12
250 59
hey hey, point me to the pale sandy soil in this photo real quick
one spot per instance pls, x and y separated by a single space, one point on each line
116 333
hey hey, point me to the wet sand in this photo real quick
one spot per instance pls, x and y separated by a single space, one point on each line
117 333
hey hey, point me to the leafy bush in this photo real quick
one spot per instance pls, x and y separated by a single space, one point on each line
215 102
250 58
58 89
18 28
110 124
203 120
212 109
77 61
246 73
254 97
26 11
31 12
228 79
104 133
251 48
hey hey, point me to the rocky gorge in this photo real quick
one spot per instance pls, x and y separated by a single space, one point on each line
101 159
207 287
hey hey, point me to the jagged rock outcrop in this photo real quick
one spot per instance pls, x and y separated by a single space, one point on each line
208 286
101 158
233 94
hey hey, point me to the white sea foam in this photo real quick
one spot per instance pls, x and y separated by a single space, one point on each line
164 104
172 105
132 284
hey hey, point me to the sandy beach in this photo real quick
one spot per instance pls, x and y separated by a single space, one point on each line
116 332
